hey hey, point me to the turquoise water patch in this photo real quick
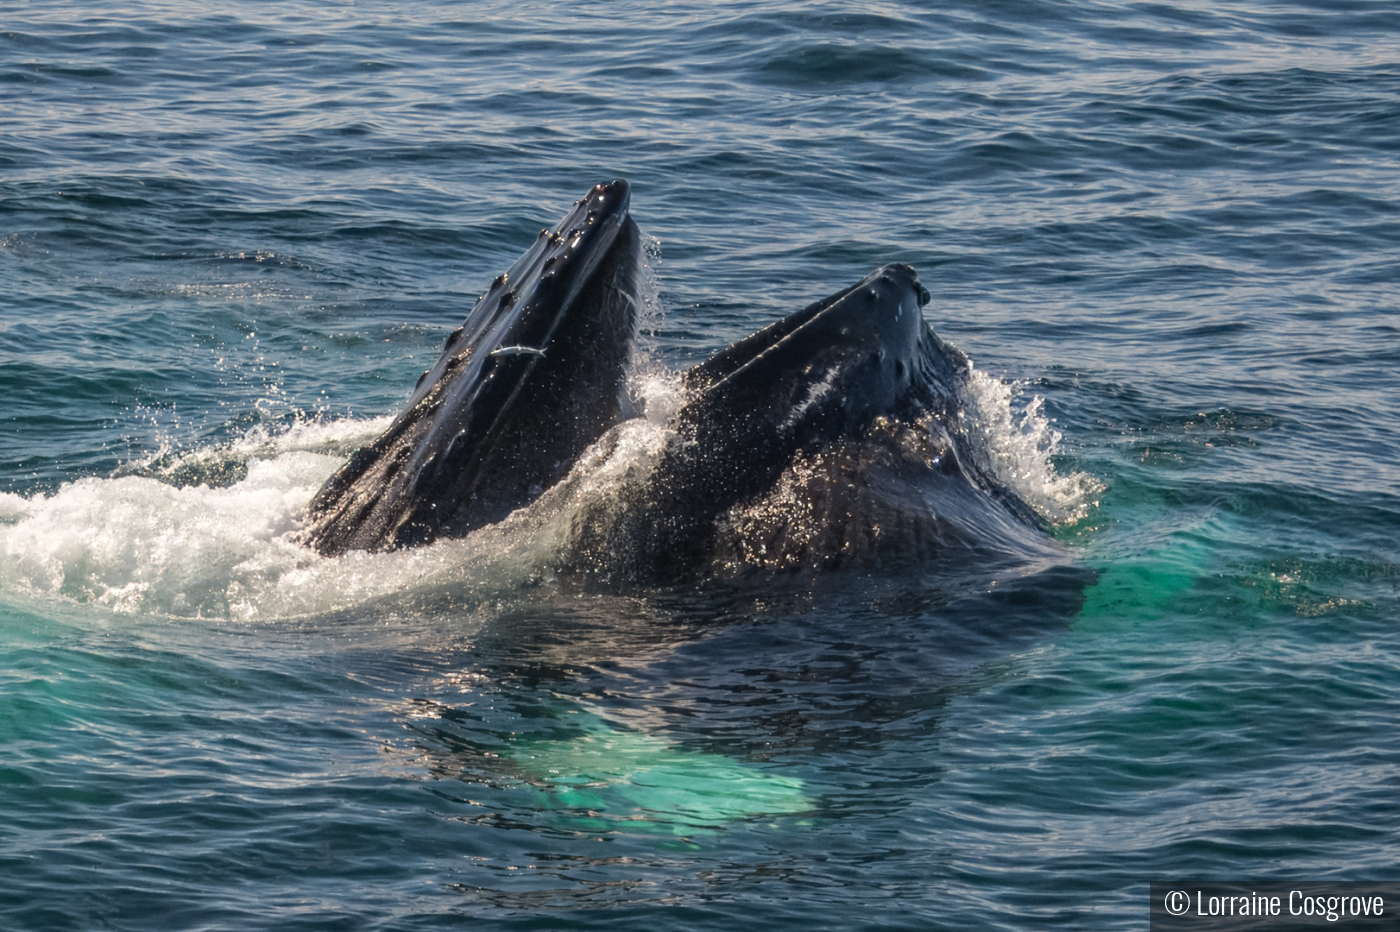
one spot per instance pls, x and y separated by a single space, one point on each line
1148 557
613 779
1142 590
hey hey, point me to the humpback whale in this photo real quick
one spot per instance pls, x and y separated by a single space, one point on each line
832 436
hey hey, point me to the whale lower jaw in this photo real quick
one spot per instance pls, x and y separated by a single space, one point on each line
535 374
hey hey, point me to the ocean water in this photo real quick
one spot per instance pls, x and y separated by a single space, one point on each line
231 238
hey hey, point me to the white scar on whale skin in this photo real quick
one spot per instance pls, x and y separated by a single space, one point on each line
815 392
516 351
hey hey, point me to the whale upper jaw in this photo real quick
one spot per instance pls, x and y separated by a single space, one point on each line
534 375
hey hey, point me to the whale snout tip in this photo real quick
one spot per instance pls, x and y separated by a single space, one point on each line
901 275
614 194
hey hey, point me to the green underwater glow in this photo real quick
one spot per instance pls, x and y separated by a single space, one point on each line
611 778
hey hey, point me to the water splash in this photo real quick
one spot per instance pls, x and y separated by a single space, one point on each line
1016 445
654 389
211 532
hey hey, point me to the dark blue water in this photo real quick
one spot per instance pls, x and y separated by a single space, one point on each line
230 240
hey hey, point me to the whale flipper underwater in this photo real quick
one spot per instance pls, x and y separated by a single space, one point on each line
831 436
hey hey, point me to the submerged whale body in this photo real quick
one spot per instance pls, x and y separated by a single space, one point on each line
831 437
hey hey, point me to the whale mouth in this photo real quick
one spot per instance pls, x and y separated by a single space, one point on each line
537 375
534 375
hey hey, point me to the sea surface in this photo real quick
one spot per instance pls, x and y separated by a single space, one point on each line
231 236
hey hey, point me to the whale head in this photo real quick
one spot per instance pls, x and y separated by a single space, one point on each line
815 378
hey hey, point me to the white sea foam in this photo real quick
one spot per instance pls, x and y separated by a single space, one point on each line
12 507
139 544
136 543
